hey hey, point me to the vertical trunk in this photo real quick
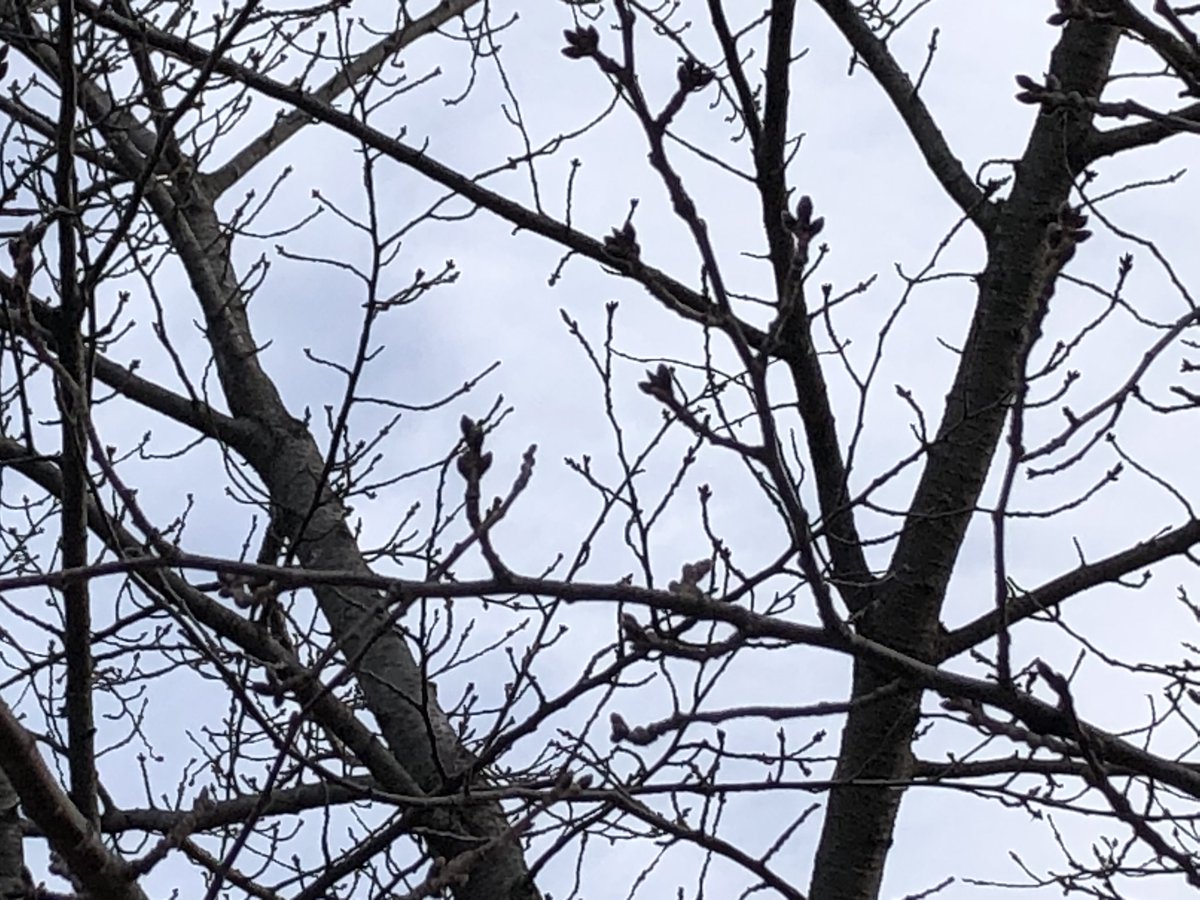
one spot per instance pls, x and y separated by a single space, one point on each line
15 881
877 738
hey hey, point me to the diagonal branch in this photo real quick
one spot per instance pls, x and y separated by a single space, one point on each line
190 411
128 139
314 520
1052 593
362 65
1177 54
1185 120
66 828
942 162
156 576
674 295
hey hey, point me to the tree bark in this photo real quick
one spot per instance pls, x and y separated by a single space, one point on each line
875 758
286 457
15 881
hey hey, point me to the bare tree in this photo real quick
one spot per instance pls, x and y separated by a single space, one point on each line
288 610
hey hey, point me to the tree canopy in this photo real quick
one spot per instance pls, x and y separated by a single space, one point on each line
598 449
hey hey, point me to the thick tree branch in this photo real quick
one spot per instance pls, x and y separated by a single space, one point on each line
313 521
859 821
1144 134
73 390
70 834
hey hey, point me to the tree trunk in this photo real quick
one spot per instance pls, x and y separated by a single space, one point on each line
877 738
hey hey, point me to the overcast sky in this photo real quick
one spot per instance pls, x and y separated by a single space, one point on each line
883 212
